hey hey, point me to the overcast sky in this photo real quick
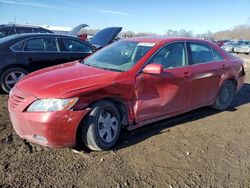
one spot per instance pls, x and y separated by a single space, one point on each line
155 16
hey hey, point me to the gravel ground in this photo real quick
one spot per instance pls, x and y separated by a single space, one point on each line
202 148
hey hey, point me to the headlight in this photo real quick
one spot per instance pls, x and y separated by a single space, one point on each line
52 105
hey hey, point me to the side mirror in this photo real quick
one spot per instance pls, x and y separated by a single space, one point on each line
153 68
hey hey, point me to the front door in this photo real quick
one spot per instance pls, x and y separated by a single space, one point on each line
158 95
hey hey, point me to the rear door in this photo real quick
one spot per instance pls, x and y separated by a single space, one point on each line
40 52
170 92
208 67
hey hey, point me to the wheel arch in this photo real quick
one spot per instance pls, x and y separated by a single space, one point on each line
118 102
15 66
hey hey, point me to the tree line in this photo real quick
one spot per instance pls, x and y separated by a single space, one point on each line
241 32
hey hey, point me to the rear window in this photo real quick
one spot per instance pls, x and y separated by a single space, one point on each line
20 30
40 30
4 32
200 53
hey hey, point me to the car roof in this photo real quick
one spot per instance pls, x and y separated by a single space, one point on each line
19 25
27 35
164 39
18 37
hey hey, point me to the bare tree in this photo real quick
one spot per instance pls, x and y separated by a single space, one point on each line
240 32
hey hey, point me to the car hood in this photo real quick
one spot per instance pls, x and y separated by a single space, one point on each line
54 82
105 37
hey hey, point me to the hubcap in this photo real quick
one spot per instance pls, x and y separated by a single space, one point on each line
107 126
12 78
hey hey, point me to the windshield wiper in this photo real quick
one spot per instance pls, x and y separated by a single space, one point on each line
110 69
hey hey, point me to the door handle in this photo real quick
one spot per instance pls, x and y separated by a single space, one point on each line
186 75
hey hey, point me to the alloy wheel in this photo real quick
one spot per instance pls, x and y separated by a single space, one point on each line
12 78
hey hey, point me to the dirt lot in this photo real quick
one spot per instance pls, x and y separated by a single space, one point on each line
203 148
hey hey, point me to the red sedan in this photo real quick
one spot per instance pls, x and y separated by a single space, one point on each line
128 84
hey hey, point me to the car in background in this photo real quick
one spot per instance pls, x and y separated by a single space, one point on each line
22 54
127 84
11 29
231 45
76 32
221 42
243 48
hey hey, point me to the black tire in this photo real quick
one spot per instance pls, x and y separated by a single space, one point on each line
225 96
91 126
5 74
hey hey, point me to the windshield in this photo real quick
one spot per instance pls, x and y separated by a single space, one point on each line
119 56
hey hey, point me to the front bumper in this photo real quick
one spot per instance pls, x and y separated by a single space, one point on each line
52 129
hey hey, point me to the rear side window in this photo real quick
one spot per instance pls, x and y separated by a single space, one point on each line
217 56
20 30
42 44
35 45
4 32
200 53
75 46
18 46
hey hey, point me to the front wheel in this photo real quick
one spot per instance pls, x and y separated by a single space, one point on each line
101 130
225 96
10 77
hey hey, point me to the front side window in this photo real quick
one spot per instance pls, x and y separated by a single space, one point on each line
4 32
75 46
171 56
35 45
200 53
20 30
119 56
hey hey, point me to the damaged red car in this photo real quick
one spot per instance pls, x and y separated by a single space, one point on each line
127 84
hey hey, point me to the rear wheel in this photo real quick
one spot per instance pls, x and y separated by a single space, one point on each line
225 96
10 77
101 130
